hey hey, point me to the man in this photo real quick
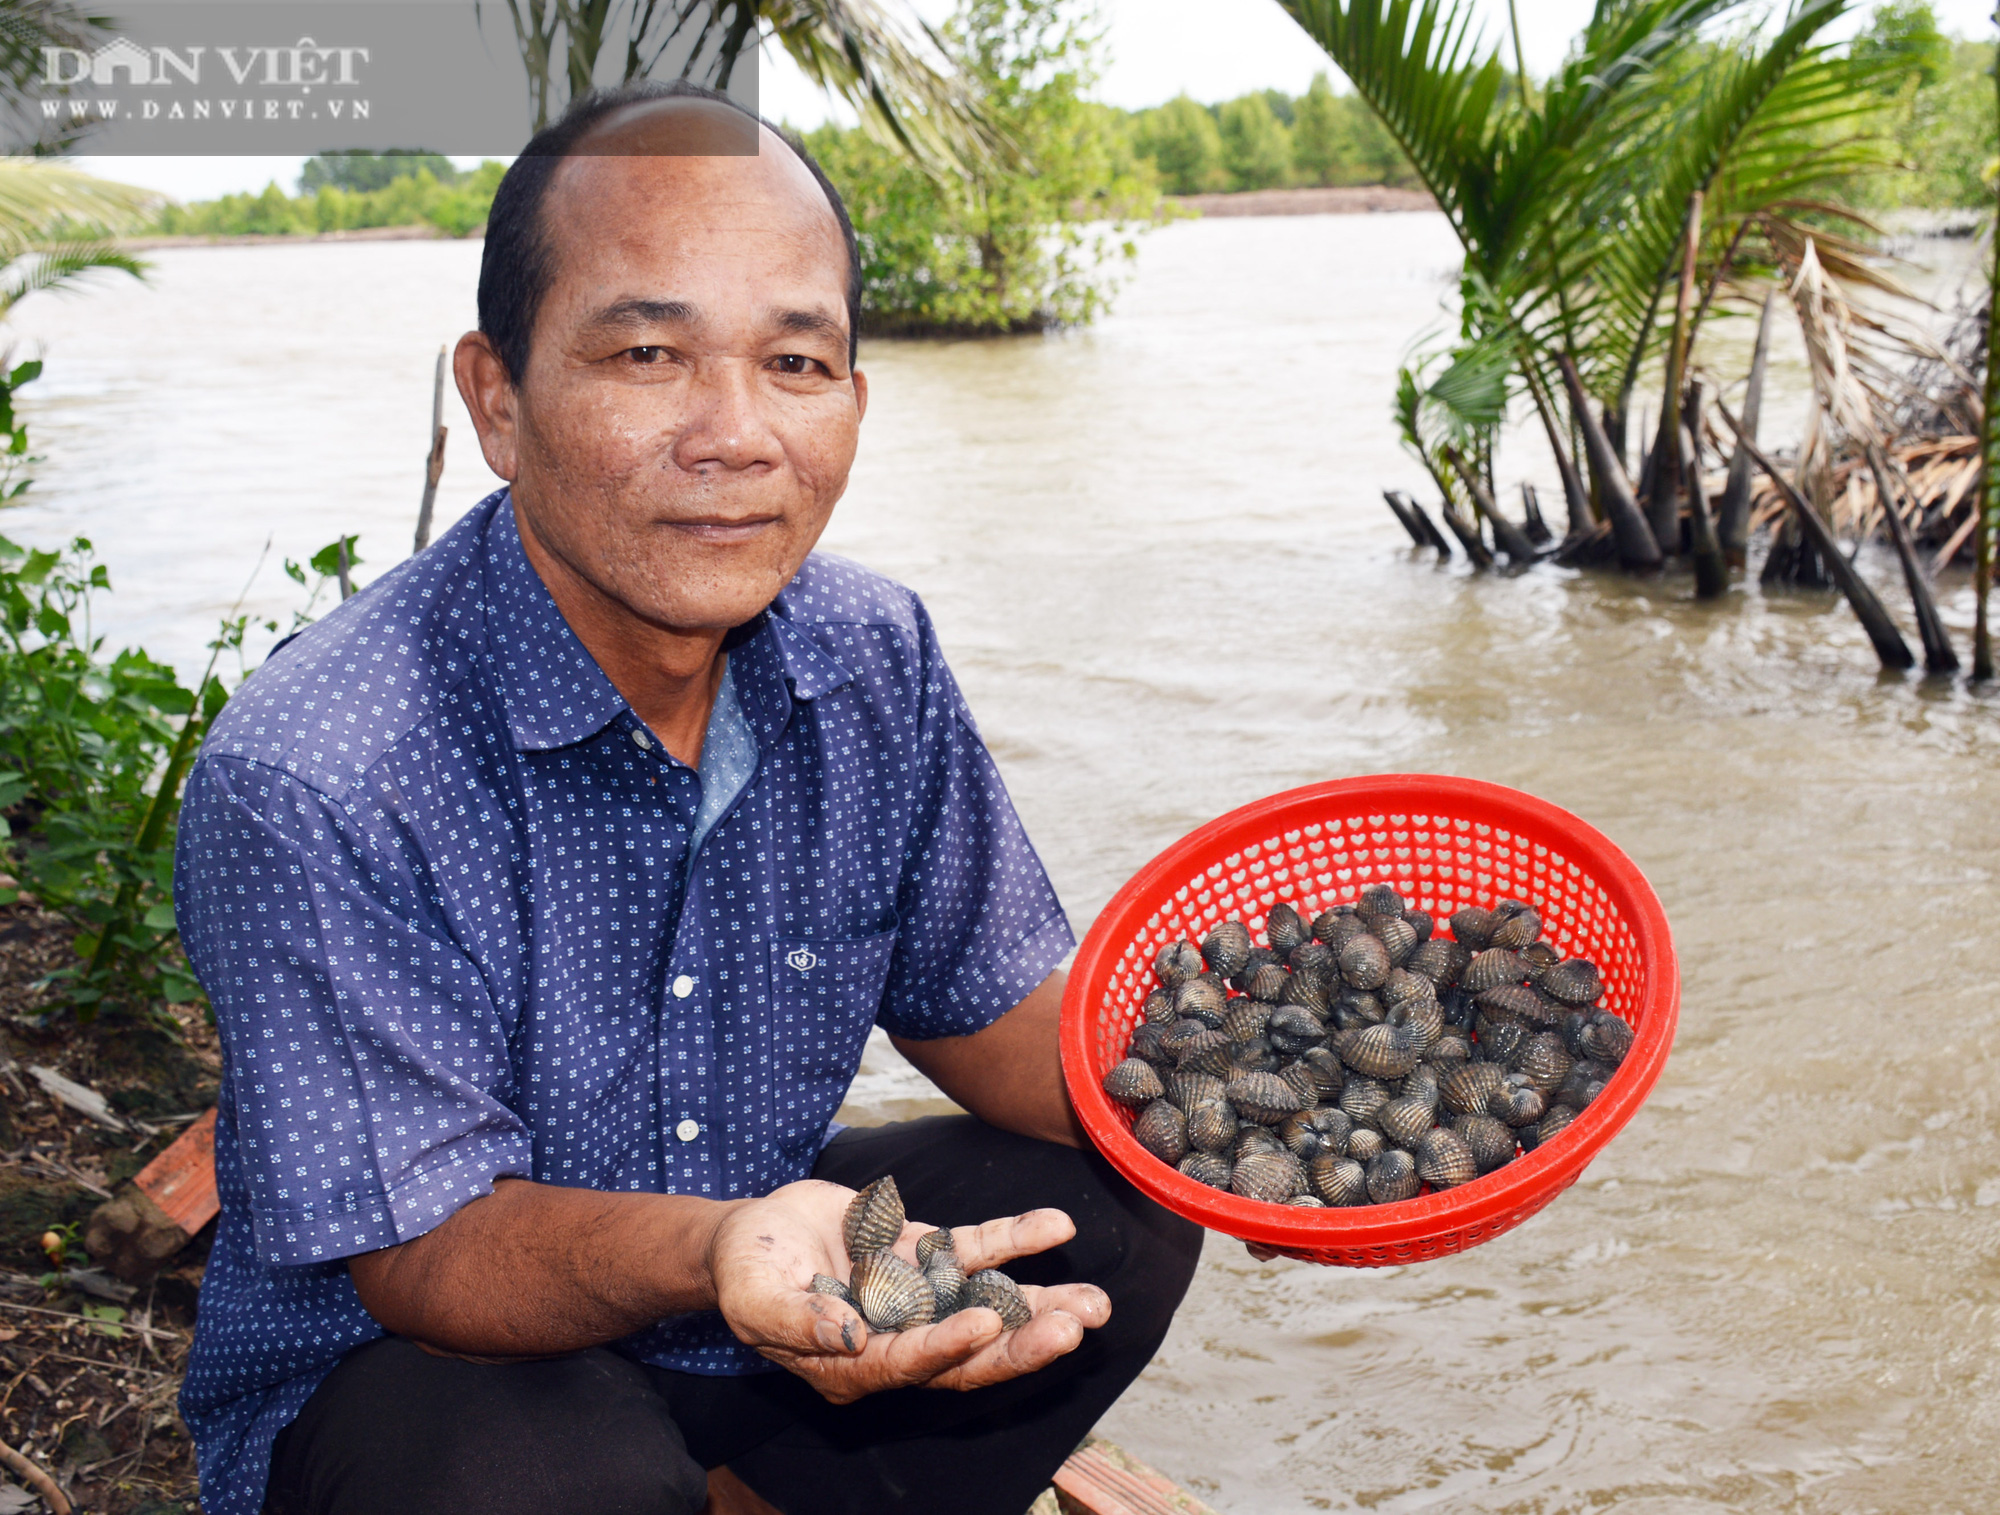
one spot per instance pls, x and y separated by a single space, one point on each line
547 891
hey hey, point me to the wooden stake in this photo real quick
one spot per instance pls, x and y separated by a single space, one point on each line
1987 501
1663 501
1637 546
1467 534
1531 517
1506 535
1889 644
1733 513
1395 504
346 576
1575 496
434 464
1431 528
1938 656
1711 575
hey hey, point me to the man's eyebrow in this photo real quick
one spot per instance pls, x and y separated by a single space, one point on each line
629 315
816 323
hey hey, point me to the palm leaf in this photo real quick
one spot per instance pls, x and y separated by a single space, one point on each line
40 198
63 263
899 79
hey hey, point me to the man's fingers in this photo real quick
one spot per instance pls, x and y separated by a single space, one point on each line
1034 1346
800 1322
999 1242
894 1359
1087 1304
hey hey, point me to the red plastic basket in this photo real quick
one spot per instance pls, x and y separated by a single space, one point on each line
1444 843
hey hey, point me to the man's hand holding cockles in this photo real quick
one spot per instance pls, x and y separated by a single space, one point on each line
765 1252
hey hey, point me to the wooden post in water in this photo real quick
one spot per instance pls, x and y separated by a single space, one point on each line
1938 656
1531 517
1575 496
1637 547
1395 504
1987 501
1889 644
1711 575
434 465
1432 536
1663 494
1506 535
1733 514
1467 533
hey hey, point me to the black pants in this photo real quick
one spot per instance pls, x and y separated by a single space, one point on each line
394 1428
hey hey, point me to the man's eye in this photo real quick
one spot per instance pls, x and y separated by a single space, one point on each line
796 363
645 354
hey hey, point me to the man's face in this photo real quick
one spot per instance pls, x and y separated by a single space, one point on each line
687 417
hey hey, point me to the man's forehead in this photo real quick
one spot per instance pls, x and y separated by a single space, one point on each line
677 126
643 169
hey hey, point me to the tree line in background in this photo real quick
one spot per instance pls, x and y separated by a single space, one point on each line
349 192
1266 140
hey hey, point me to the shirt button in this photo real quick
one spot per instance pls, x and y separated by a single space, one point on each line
683 987
643 742
688 1130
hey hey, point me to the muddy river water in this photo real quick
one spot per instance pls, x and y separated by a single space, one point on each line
1160 566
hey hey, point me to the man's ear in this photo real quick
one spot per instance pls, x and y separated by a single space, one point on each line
860 395
492 400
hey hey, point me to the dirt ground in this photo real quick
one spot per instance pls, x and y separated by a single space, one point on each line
89 1372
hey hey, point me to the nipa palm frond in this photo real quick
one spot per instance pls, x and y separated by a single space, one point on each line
60 263
900 82
1428 75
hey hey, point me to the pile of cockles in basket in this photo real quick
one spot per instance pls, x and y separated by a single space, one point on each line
891 1294
1364 1057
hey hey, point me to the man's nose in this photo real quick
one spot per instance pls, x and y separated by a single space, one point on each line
726 427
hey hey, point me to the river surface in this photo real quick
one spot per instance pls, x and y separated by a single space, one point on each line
1160 566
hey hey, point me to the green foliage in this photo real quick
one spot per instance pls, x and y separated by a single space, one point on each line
14 459
1184 144
1904 34
1268 138
456 207
1947 135
1007 248
361 173
85 812
93 752
1255 143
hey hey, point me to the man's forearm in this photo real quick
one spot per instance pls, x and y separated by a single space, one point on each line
1010 1074
533 1269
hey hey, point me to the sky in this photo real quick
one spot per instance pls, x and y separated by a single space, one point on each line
1211 49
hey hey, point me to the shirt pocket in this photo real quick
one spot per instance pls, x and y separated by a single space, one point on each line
824 999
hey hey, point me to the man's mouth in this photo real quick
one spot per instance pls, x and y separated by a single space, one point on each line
722 530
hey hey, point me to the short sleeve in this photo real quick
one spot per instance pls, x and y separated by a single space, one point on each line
366 1059
979 924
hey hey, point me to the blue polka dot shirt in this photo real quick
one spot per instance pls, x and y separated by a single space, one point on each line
461 917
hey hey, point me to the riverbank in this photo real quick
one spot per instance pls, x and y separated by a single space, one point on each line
421 232
1317 200
1342 200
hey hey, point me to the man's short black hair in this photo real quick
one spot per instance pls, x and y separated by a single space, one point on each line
518 263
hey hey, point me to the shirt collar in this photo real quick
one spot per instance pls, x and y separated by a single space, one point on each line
555 693
776 664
